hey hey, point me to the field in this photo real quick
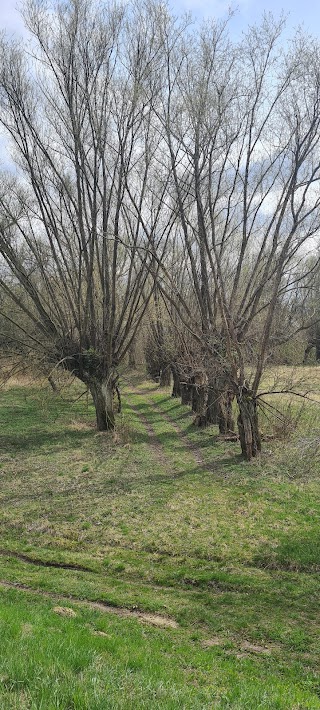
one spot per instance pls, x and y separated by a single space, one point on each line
154 568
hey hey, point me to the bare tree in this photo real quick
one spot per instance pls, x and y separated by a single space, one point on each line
240 123
140 150
76 111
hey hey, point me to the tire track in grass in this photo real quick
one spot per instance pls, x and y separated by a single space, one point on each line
45 563
189 445
145 617
153 440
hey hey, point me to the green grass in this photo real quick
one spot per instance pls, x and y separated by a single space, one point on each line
174 524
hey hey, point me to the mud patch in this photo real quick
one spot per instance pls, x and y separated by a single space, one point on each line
209 643
99 633
64 611
252 648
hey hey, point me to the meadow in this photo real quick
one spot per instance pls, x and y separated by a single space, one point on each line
153 567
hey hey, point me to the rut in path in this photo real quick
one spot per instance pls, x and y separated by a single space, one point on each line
144 617
154 442
193 448
44 563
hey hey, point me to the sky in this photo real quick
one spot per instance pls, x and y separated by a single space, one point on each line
10 19
306 12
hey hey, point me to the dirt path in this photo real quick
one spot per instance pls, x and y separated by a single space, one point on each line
193 448
145 617
154 442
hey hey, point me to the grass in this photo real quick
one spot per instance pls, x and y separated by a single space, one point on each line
159 518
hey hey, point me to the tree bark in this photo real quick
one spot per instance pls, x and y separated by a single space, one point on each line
195 396
248 425
52 383
306 352
186 393
200 399
165 376
224 415
176 389
132 356
102 395
212 407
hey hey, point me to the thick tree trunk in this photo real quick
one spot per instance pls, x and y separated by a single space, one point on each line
224 414
186 393
195 396
165 376
212 407
200 399
201 419
248 425
208 406
102 395
176 389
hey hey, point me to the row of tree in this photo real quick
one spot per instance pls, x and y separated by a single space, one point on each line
156 160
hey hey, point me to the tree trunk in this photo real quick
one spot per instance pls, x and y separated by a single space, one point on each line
212 407
225 417
102 395
201 419
195 396
306 352
248 425
176 389
132 356
52 383
165 376
186 393
200 399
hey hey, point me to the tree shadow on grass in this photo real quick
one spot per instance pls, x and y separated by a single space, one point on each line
184 415
175 404
224 460
43 439
293 553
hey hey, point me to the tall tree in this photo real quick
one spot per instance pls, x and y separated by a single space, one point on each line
241 128
76 112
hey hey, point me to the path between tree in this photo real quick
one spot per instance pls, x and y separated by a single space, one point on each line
154 442
193 448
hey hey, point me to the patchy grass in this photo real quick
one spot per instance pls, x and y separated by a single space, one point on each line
164 519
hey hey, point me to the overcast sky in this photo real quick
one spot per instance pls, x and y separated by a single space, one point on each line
305 12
